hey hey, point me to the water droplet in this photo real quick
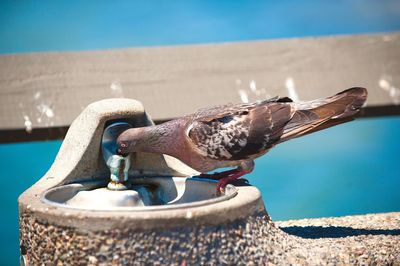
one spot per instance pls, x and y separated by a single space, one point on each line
116 89
243 96
37 95
28 124
45 109
253 86
289 83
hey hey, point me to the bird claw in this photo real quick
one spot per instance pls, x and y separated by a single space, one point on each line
224 178
229 178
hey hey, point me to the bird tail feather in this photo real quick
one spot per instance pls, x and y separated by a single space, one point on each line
319 114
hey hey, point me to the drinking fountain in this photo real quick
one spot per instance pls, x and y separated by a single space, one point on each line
95 206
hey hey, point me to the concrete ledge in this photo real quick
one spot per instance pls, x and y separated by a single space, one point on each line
372 239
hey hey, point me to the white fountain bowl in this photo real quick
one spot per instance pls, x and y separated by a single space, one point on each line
146 193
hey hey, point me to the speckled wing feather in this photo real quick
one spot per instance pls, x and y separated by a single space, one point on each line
245 131
210 113
238 132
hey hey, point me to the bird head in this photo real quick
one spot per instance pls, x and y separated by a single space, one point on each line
130 141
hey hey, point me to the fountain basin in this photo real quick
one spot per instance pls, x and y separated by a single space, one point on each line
146 194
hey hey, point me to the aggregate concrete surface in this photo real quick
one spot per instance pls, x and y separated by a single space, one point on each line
372 239
360 239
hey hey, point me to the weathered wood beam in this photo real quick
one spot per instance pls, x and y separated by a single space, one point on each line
42 90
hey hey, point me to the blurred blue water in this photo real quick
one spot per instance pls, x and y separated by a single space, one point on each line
85 25
350 169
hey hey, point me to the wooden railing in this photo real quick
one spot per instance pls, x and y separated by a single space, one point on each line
42 93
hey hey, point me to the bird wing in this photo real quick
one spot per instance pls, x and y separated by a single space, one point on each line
239 132
210 113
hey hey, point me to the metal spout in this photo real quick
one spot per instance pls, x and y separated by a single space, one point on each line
119 167
118 164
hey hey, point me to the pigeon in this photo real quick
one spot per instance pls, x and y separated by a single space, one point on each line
233 135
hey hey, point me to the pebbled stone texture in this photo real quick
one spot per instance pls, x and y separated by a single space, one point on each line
365 240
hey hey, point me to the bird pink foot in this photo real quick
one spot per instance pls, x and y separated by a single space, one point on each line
225 178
